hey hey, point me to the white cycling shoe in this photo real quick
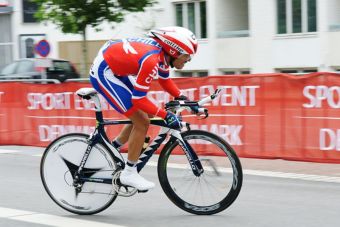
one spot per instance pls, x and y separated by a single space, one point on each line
129 176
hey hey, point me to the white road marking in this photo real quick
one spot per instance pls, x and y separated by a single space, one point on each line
225 115
50 220
298 176
321 118
37 155
5 151
67 117
60 117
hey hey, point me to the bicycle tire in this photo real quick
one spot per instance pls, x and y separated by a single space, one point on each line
57 177
171 183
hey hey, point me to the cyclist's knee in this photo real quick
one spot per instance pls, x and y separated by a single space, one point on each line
140 120
143 123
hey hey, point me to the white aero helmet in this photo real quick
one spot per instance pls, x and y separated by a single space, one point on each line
175 40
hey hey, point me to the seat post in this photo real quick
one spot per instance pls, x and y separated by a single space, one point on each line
97 104
98 108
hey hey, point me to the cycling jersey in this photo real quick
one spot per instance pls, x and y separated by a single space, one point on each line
123 71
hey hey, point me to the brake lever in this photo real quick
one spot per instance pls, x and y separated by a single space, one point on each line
206 115
213 96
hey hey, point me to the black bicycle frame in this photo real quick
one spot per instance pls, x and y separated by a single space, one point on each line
99 136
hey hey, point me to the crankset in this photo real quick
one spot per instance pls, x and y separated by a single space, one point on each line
122 190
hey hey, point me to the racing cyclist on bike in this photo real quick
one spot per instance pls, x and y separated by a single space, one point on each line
122 72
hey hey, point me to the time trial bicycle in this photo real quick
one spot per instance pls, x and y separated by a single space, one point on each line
198 170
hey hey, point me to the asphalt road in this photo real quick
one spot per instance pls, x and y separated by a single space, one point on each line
268 198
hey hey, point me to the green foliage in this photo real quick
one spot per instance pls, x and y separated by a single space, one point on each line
73 16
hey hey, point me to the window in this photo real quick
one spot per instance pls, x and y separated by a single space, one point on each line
29 9
179 15
297 70
185 74
192 15
234 71
228 73
297 20
64 66
281 17
192 73
296 16
311 15
6 42
203 19
29 43
336 69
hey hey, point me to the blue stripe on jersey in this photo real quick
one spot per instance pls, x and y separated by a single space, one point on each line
147 54
95 84
145 41
138 93
110 43
103 65
163 74
125 81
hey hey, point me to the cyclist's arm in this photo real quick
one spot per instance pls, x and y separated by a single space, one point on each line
166 83
147 72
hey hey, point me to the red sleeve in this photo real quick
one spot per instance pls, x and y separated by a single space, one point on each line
148 107
147 72
169 86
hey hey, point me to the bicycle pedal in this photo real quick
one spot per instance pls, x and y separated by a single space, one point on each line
142 191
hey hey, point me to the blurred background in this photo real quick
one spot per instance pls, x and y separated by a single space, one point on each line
282 121
235 36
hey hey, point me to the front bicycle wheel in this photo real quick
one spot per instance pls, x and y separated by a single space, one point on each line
215 189
60 161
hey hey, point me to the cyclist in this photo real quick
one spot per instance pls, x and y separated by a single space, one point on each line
122 72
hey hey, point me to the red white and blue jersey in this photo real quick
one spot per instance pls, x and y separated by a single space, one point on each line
123 71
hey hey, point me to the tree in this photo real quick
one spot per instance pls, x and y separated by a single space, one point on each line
75 16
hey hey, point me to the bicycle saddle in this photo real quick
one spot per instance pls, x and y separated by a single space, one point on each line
86 93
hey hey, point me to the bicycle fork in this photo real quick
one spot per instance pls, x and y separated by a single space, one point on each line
195 163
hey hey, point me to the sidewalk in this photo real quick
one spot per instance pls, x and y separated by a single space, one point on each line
279 165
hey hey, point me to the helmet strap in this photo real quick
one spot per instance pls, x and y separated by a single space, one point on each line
169 59
171 62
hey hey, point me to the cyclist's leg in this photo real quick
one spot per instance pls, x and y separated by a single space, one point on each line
118 92
124 135
129 175
140 122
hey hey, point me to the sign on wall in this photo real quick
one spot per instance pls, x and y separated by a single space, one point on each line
42 48
28 43
261 116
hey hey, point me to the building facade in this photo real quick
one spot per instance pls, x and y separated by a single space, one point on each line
6 39
235 36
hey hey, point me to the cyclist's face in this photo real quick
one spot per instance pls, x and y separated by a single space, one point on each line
181 60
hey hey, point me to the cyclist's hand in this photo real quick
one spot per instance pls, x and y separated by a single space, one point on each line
172 121
181 98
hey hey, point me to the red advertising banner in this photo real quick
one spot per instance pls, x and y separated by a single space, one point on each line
262 116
